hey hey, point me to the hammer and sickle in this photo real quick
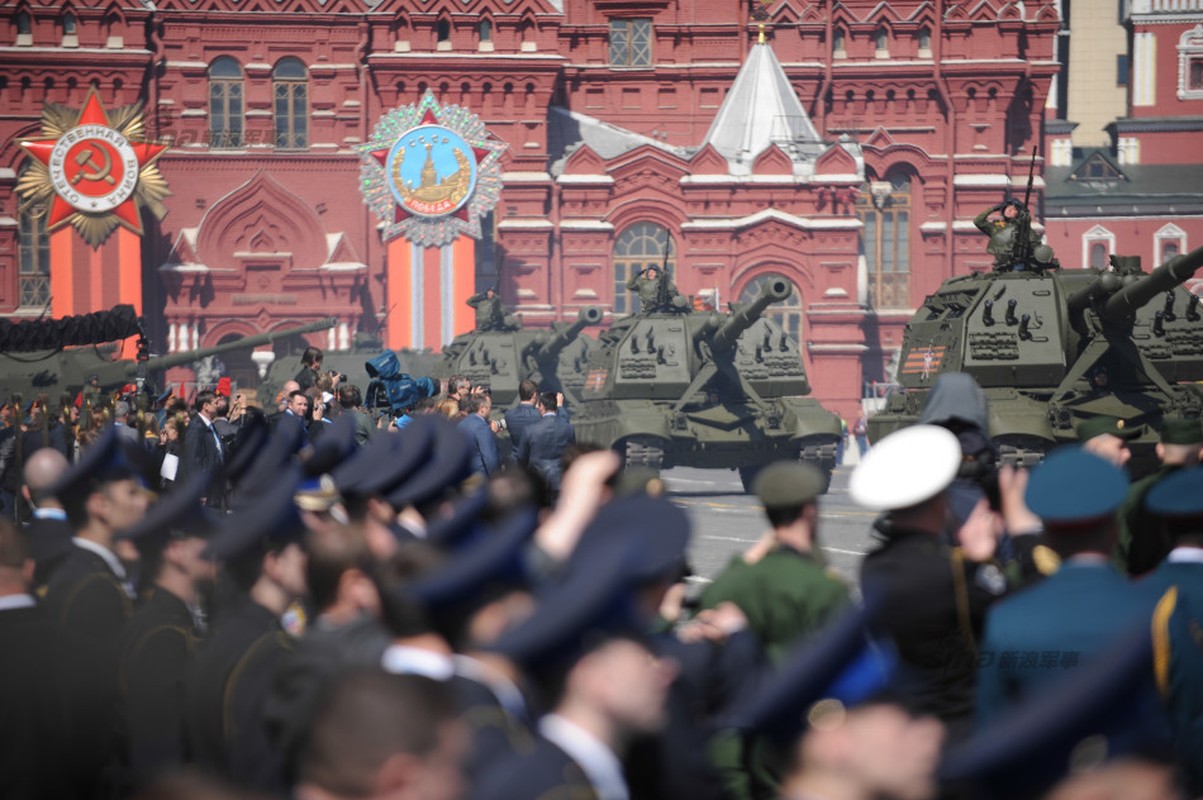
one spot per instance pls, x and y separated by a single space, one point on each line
101 172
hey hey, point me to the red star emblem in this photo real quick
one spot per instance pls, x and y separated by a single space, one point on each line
94 168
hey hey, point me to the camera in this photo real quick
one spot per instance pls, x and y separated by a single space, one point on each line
333 373
501 424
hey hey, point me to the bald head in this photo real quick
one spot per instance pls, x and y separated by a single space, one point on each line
43 469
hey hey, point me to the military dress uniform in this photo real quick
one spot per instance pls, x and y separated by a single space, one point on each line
1069 618
788 593
785 595
1177 588
56 704
1143 541
89 592
230 675
232 672
157 644
932 598
156 648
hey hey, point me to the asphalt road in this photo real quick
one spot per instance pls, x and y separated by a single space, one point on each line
726 521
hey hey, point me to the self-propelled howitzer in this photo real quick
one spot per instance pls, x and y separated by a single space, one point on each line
501 359
1053 348
678 388
51 373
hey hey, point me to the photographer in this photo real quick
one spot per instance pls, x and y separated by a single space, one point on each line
311 367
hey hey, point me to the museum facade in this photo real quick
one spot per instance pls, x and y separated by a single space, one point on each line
846 146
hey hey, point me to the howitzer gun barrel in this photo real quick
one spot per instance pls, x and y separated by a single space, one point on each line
127 369
1174 272
1100 287
589 315
773 291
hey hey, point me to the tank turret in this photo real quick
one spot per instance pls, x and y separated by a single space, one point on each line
501 359
687 388
1052 348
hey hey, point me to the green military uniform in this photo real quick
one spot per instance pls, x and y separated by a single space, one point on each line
649 289
489 312
1004 234
1143 541
785 595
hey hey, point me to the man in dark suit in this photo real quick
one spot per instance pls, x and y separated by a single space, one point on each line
1072 616
202 445
486 457
523 415
543 444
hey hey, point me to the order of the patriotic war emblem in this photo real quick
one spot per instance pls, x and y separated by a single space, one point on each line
431 173
92 170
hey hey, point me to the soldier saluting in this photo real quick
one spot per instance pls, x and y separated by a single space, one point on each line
1013 243
655 289
490 316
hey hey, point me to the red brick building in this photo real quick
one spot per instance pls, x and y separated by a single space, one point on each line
1139 195
848 153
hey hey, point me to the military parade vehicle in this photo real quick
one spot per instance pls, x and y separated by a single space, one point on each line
501 357
670 386
1052 347
58 367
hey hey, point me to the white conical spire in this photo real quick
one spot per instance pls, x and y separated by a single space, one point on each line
762 109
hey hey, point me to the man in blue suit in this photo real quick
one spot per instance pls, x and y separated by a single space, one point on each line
1063 622
542 446
523 415
486 457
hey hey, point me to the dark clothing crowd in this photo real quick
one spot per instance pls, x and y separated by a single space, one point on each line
461 601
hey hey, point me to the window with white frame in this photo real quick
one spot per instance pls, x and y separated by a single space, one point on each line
1098 244
1168 241
1190 64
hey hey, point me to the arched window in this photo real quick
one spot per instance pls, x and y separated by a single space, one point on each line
290 88
443 34
881 43
484 34
788 314
640 246
885 209
33 254
1098 255
225 103
839 45
70 24
924 42
24 29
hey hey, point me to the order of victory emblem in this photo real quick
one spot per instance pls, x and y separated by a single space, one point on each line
431 173
93 170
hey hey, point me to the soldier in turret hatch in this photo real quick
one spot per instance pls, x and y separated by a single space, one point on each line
652 298
490 316
1006 232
